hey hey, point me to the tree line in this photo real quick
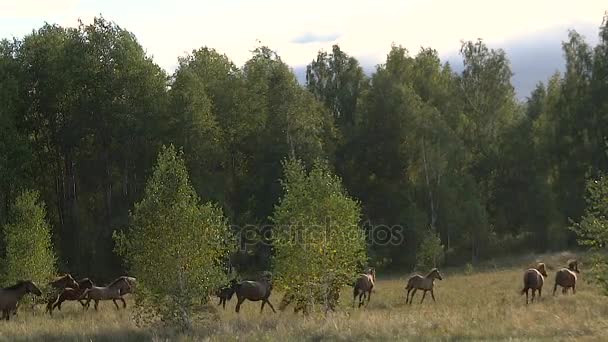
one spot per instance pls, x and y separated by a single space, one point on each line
454 158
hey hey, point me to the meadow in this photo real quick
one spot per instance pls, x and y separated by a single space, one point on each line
483 303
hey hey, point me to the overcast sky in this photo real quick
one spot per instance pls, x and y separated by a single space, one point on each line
530 31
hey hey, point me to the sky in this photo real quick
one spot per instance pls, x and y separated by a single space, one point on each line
530 31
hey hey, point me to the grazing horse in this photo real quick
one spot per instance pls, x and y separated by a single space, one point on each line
74 294
254 291
364 284
566 277
418 282
225 293
534 280
10 296
56 286
115 290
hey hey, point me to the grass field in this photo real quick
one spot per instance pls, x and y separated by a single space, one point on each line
484 305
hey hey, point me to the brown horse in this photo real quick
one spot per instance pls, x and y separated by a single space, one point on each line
534 280
10 296
114 291
566 277
418 282
254 291
74 294
56 286
364 285
225 293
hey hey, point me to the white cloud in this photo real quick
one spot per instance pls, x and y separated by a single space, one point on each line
366 28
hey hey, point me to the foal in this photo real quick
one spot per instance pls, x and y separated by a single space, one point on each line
115 290
10 296
534 280
566 277
364 284
73 294
225 293
418 282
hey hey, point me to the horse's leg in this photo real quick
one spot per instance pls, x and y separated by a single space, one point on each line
540 292
407 297
533 295
369 296
262 308
554 288
270 304
526 290
433 295
115 304
412 297
361 298
124 303
423 295
238 304
574 289
96 303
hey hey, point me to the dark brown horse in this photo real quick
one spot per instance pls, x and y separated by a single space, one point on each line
56 286
418 282
10 296
114 291
534 280
566 277
254 291
73 294
364 285
225 293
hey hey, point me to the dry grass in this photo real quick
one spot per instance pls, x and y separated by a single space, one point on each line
485 305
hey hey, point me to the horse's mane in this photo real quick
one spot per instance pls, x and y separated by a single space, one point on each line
431 272
16 286
117 280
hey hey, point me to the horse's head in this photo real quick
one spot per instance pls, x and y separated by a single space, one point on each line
372 272
31 287
541 268
573 266
435 274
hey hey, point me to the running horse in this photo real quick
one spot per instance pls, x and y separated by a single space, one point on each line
418 282
10 296
364 285
73 294
56 286
254 291
114 291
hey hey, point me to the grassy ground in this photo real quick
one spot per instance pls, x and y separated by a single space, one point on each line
484 305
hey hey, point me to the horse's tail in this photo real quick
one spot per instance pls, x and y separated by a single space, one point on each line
527 282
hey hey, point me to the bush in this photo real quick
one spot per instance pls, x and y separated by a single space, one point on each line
27 237
318 243
175 245
430 251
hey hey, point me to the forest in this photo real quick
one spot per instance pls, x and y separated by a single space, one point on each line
450 159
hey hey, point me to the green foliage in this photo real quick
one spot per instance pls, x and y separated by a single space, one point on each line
430 252
318 244
176 245
592 230
27 237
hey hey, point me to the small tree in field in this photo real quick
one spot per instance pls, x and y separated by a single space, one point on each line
176 244
27 237
592 230
318 243
430 251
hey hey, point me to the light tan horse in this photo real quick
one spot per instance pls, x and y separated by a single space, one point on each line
364 285
534 280
10 296
566 277
114 291
418 282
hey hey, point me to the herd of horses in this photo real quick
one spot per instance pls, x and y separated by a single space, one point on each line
65 288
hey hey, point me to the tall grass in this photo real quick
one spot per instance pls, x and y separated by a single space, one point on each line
484 305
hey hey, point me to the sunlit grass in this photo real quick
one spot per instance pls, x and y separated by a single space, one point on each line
485 305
